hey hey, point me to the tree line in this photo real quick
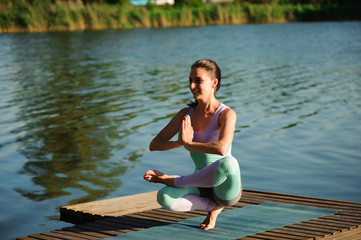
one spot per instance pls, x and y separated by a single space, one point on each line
71 15
188 2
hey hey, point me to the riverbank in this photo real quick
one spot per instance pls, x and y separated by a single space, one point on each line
76 16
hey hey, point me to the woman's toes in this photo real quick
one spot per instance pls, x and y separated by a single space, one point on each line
206 228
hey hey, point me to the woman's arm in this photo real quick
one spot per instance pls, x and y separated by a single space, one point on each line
162 142
227 122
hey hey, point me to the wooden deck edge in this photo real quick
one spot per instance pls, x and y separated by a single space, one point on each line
115 207
345 224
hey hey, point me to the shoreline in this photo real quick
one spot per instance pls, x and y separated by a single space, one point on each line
70 17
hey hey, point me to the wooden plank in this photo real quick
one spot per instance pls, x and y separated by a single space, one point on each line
250 200
120 204
327 222
350 214
42 237
301 200
343 219
286 197
130 199
313 228
317 224
152 215
77 233
87 231
119 227
101 228
354 234
180 215
305 230
241 204
93 227
304 198
135 221
276 236
26 238
267 236
71 234
125 212
61 236
310 233
250 238
301 234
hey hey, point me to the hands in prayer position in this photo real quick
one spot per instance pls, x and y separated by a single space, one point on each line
186 132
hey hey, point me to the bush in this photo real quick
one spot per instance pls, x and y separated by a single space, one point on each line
22 15
86 16
133 17
74 16
5 20
57 17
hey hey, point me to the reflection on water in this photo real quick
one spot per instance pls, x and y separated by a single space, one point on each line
68 135
78 111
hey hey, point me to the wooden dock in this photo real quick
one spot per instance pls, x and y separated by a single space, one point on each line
109 218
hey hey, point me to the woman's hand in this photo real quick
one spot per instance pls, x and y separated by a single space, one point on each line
162 141
186 132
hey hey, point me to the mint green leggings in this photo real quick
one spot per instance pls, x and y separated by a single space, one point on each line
218 183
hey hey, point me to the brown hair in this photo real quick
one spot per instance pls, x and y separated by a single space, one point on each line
214 71
211 67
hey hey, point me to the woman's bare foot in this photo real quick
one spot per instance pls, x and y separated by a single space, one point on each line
156 176
210 221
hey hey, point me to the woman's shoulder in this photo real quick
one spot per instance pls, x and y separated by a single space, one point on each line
227 112
184 110
181 113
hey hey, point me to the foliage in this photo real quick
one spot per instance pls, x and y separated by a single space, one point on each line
5 20
191 3
51 15
21 14
58 17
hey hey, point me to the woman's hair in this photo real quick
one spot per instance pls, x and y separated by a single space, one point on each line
214 71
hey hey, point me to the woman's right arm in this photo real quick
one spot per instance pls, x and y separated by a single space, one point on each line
162 142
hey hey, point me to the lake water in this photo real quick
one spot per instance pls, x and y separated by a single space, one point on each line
79 109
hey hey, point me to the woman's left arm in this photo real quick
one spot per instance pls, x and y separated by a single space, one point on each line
226 121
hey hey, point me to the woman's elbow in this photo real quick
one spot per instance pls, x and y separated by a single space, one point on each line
222 153
152 146
223 150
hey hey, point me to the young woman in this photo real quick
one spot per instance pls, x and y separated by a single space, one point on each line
205 129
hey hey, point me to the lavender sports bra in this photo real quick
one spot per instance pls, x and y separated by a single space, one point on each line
211 133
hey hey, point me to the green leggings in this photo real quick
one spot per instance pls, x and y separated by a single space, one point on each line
218 183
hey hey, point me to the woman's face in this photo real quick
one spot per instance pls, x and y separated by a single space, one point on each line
201 83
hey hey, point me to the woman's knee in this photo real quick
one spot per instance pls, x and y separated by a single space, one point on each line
167 195
164 197
227 168
228 184
229 164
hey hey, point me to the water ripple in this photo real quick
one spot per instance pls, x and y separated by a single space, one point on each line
78 109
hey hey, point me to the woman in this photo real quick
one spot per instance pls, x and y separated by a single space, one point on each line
206 129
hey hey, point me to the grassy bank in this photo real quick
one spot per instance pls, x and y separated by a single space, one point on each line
41 16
